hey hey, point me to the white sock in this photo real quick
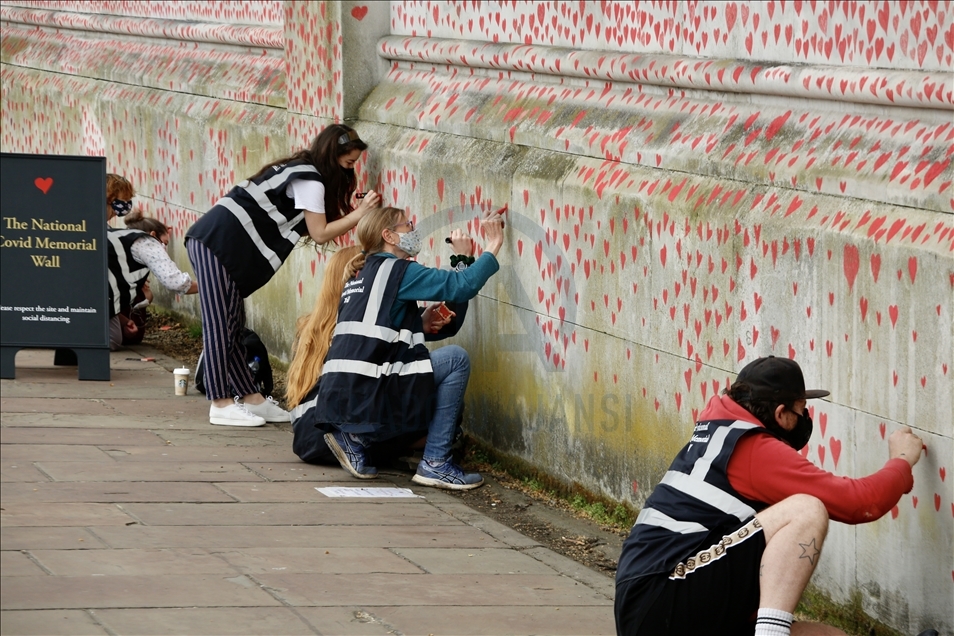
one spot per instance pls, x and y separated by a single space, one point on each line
773 622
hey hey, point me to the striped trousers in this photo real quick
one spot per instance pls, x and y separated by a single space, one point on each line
223 317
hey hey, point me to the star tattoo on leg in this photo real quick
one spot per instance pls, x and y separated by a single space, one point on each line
809 551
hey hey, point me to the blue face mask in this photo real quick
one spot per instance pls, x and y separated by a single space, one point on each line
120 207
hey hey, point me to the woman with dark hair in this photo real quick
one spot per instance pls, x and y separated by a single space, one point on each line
154 255
133 253
238 245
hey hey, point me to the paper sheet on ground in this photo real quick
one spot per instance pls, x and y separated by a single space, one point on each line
342 491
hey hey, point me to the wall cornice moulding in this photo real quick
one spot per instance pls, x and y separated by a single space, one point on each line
883 87
269 37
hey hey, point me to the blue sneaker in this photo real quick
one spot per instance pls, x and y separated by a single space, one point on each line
447 475
350 455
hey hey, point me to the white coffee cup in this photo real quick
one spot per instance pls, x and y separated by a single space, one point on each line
182 380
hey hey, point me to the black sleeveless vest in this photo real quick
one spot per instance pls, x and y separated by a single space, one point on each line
124 274
376 379
253 228
693 506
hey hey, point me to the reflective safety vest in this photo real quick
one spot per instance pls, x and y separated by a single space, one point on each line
376 378
125 274
693 506
253 228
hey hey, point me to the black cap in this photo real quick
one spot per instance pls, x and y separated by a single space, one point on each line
777 378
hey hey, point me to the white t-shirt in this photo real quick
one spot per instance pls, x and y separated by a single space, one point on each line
308 195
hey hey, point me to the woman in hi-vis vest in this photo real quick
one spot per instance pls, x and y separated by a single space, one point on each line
131 255
238 245
379 381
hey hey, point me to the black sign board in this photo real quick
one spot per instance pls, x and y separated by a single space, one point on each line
53 259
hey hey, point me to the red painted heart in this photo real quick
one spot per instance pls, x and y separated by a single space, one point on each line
43 183
835 446
358 13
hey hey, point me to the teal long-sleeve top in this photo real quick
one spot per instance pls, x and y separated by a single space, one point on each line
428 283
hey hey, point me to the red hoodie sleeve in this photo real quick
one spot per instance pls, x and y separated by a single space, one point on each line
766 469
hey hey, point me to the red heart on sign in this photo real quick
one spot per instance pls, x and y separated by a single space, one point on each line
44 184
358 13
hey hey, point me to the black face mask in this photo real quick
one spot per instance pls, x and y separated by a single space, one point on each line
798 436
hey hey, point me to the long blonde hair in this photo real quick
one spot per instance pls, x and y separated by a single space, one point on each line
370 233
314 330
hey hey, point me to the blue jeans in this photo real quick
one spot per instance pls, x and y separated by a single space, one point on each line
451 372
451 366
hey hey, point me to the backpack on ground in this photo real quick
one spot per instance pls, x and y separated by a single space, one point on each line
256 355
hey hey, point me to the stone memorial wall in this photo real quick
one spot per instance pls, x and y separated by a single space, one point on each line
690 185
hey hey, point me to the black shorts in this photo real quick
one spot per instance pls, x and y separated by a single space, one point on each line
716 592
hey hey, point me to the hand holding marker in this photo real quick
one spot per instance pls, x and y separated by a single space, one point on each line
489 215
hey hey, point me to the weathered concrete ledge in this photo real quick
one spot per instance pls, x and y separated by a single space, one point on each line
868 86
902 157
225 73
266 36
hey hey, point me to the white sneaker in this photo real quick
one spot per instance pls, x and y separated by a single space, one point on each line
269 410
235 414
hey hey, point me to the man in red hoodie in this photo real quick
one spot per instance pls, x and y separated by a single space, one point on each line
730 537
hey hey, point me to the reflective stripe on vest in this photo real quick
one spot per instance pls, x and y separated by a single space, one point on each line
123 273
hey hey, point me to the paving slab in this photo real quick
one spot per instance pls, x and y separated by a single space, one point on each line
147 471
112 492
470 561
21 471
91 592
266 621
29 376
26 358
321 560
430 589
94 436
171 453
14 563
153 382
43 359
126 512
390 512
493 528
51 452
84 406
49 623
225 436
62 514
32 538
131 562
113 420
297 470
301 491
184 407
346 621
465 620
328 536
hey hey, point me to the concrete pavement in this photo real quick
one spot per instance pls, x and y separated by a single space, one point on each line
125 512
